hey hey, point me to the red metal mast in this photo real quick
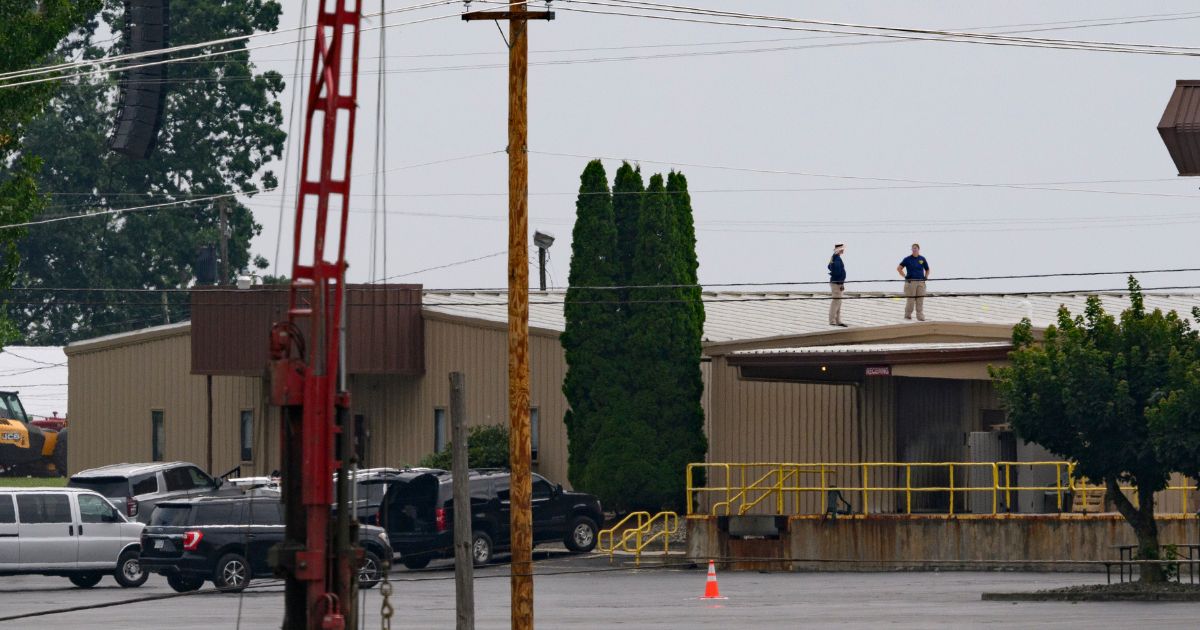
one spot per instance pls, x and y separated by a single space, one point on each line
304 363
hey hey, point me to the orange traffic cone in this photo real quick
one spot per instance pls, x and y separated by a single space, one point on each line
711 590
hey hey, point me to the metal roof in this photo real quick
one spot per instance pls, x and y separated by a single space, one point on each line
735 316
1180 127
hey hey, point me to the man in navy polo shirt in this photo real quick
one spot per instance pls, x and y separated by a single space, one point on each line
837 284
915 270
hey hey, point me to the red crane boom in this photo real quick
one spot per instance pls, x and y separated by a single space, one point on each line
316 558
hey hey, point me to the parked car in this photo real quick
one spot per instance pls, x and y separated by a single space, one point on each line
225 539
136 488
418 514
68 532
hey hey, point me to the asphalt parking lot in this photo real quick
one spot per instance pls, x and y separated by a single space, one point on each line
585 592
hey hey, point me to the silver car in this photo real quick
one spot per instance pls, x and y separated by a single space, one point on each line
69 532
136 488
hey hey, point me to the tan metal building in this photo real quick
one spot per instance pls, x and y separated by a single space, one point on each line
781 385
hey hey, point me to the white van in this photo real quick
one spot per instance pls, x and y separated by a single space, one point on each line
70 532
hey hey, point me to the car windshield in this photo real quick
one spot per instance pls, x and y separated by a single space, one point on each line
170 515
111 487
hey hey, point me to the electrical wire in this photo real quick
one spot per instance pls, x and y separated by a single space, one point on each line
292 117
113 59
876 31
708 286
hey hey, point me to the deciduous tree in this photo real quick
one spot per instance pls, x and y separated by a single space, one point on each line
221 129
1088 393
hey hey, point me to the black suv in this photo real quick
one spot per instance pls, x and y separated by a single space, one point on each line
226 539
418 513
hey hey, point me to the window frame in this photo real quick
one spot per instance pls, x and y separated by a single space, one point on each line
440 439
246 440
158 435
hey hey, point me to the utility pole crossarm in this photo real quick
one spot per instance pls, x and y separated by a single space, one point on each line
508 15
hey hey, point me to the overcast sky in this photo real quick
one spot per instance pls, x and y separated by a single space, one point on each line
928 111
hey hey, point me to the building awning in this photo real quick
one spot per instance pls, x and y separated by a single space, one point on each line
852 363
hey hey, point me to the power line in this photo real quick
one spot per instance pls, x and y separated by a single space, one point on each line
706 286
883 31
41 70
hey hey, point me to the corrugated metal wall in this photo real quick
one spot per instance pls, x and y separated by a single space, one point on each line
113 392
114 389
400 411
761 421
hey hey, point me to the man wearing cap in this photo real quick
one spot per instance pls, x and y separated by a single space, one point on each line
915 270
837 285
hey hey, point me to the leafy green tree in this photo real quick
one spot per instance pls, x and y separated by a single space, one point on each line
594 384
661 429
1088 393
487 447
628 190
30 34
221 129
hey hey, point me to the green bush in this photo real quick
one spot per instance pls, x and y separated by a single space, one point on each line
487 447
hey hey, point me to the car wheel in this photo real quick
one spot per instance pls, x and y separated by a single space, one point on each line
232 573
129 572
370 572
85 580
481 548
181 584
415 562
581 536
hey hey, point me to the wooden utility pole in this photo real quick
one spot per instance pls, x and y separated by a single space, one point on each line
464 562
519 445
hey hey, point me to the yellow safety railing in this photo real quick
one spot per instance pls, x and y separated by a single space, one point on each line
737 488
636 536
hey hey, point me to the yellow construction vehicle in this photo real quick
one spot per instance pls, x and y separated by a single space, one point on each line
26 449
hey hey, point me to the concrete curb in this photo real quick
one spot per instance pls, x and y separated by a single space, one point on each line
1090 597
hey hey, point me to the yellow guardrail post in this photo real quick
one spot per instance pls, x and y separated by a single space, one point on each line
1008 486
865 485
908 488
1058 485
824 492
995 486
951 488
689 489
779 498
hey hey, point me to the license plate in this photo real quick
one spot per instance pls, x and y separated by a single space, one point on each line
158 544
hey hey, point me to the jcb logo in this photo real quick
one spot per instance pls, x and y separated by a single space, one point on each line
11 437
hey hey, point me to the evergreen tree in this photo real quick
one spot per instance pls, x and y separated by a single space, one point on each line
221 128
686 239
661 428
628 190
591 339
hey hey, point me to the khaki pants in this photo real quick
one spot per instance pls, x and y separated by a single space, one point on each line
835 305
914 290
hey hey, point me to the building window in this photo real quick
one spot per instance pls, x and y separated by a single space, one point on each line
533 432
158 436
439 430
247 432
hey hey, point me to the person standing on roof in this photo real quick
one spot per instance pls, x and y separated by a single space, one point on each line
837 284
915 271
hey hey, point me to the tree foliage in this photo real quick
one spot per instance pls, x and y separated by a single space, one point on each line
30 34
221 129
487 447
595 376
642 374
1110 395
